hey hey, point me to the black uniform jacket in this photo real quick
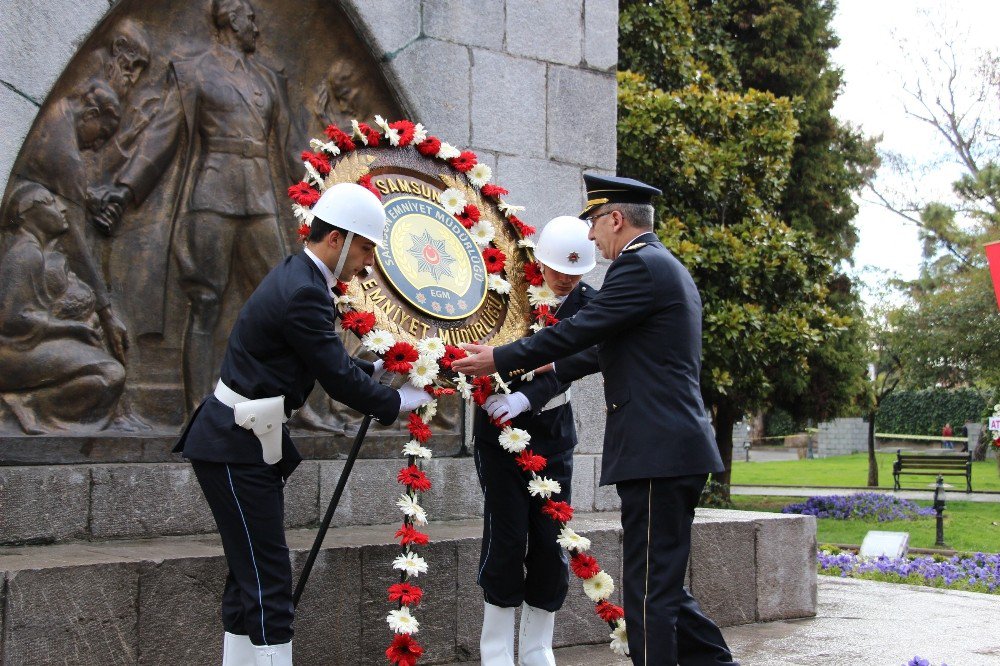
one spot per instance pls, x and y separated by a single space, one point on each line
646 323
282 343
553 430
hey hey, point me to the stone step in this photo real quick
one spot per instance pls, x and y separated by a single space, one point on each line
56 503
155 601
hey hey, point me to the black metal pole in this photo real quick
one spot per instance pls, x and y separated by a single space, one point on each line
334 501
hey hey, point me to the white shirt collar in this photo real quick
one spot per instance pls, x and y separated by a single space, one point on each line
331 281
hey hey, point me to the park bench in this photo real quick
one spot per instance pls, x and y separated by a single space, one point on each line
945 464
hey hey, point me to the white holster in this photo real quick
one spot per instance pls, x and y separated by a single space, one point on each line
263 417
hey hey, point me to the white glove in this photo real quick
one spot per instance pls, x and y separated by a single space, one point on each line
410 397
505 406
379 370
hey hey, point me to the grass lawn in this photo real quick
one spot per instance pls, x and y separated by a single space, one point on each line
968 526
852 471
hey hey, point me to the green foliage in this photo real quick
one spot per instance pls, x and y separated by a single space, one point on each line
715 495
779 423
925 412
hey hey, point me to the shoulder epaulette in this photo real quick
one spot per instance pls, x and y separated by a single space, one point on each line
635 247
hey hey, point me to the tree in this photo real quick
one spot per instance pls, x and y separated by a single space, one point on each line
884 372
722 154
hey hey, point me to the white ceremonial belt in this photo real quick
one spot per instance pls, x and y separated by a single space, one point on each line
263 417
558 401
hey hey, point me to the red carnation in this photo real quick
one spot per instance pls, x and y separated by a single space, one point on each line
493 191
366 182
303 194
464 162
407 534
429 147
543 315
494 259
608 612
533 274
400 357
339 137
341 288
358 322
405 129
372 135
482 389
451 354
319 161
584 566
522 228
530 462
500 425
561 512
469 216
420 430
438 392
414 478
304 230
404 651
405 593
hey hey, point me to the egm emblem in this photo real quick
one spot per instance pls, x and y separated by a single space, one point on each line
430 259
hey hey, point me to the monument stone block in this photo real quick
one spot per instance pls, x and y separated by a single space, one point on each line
328 622
43 504
786 577
434 76
551 31
580 131
397 23
545 187
474 23
723 570
505 88
17 113
600 24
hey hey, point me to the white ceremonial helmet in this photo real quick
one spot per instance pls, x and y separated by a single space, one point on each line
563 246
352 208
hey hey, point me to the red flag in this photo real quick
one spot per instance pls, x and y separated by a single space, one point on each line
993 257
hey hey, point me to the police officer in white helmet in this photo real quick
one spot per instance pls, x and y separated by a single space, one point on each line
520 563
283 342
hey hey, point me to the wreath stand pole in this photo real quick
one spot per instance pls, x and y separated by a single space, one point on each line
334 501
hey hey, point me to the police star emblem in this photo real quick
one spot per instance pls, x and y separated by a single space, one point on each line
573 257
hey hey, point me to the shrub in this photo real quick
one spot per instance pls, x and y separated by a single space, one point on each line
925 412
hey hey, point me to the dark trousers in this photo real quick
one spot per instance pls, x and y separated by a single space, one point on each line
520 560
247 501
665 625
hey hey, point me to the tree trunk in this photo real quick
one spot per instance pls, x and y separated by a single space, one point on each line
983 445
872 462
725 418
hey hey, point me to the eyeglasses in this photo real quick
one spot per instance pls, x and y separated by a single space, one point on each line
593 218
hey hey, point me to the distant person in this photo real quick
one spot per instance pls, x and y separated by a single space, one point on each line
947 432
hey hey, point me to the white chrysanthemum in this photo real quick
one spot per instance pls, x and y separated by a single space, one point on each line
570 540
480 174
411 563
482 232
313 175
428 411
415 448
432 348
419 133
402 622
537 326
423 371
501 385
389 132
463 387
343 303
378 341
509 209
599 586
447 151
497 284
528 376
514 440
453 201
302 214
409 507
542 295
543 487
619 639
357 133
328 147
526 243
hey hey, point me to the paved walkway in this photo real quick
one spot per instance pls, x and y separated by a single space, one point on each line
954 494
858 623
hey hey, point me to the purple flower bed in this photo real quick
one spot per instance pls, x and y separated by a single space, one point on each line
976 572
920 661
863 506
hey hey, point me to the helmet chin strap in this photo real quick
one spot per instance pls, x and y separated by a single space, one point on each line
343 254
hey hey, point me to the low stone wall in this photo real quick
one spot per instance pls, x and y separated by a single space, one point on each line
156 601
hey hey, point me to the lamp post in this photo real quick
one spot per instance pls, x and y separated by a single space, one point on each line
746 449
939 495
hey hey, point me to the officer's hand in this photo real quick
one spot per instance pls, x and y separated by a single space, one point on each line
479 361
503 407
380 375
410 397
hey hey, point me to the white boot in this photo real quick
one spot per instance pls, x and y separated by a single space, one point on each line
273 655
237 650
535 642
496 643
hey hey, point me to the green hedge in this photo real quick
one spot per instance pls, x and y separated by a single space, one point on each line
779 423
925 412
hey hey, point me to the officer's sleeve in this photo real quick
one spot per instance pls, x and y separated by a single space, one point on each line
309 330
541 389
578 365
366 366
625 300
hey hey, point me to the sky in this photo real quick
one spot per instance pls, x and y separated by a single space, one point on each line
873 98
